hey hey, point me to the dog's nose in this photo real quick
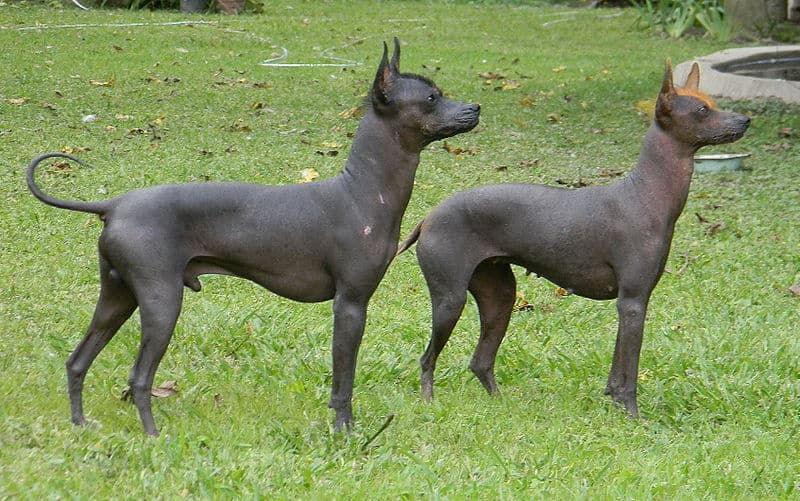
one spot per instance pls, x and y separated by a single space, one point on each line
475 108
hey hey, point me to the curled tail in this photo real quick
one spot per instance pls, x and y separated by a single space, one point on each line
410 240
99 207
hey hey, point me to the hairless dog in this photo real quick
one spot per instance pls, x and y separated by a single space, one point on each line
311 242
601 242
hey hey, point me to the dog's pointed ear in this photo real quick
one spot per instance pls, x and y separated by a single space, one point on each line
693 79
667 87
664 100
384 77
395 64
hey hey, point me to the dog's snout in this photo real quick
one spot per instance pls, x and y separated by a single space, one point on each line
745 121
475 108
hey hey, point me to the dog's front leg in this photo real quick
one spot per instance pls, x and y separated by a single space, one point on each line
349 317
622 379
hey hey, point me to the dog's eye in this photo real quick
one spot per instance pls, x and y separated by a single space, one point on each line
432 98
702 109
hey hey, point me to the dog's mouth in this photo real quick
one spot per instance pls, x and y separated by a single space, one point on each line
467 119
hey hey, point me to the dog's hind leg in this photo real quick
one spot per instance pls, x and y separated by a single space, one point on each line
114 306
494 287
447 305
159 306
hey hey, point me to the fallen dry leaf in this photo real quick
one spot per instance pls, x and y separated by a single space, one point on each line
354 112
135 132
554 118
522 304
786 132
527 101
559 69
308 175
508 84
239 126
167 389
63 168
17 100
459 152
490 77
711 228
70 150
99 83
795 289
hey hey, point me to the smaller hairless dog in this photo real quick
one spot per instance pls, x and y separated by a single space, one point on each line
312 242
600 242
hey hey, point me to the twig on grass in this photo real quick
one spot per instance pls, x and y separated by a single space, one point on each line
380 430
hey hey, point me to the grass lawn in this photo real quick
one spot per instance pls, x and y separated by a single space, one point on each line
561 90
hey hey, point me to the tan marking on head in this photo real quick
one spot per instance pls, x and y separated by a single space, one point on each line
697 95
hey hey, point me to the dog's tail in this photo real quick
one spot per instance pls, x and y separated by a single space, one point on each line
410 240
98 207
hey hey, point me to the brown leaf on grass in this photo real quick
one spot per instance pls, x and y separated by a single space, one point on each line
239 126
561 292
70 150
795 289
490 77
508 84
100 83
308 175
167 389
786 132
554 118
459 152
712 228
354 112
163 81
527 101
17 100
522 304
61 168
217 400
327 153
135 132
49 106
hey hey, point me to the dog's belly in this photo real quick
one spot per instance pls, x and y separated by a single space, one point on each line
595 282
308 285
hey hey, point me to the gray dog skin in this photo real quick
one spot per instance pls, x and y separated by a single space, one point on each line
602 242
311 242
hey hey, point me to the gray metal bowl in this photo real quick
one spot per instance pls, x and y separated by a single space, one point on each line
719 162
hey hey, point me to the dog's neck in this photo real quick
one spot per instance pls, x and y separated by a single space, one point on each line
380 169
664 172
